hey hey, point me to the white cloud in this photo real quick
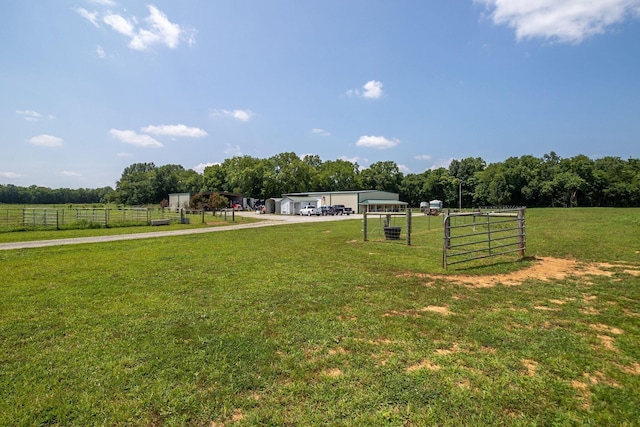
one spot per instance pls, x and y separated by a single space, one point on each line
371 90
175 130
233 151
10 175
241 115
103 2
120 24
404 169
100 51
441 164
354 159
202 166
161 31
70 173
155 29
320 132
124 154
89 16
568 21
46 141
29 115
422 157
134 138
377 142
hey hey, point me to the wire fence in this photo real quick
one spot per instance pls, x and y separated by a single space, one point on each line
17 218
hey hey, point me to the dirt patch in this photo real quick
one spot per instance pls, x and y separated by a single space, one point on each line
544 268
445 351
633 369
333 373
608 342
530 365
416 312
425 364
600 327
335 351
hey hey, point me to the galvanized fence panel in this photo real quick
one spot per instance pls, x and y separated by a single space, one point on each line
387 226
40 217
480 234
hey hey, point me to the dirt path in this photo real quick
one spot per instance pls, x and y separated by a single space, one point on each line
267 221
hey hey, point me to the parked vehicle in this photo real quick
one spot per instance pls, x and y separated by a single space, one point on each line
309 210
341 210
327 210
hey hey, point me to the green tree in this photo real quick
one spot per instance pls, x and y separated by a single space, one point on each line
338 175
466 172
412 189
136 185
218 202
382 176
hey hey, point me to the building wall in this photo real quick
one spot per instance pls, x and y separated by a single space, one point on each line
179 200
348 199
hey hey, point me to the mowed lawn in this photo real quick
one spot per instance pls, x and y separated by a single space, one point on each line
306 324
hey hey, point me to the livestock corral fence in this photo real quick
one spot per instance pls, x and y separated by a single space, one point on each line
14 218
487 232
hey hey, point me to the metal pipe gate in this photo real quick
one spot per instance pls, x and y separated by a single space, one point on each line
482 234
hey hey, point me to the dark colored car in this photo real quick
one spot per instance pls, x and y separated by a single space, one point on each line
327 210
341 210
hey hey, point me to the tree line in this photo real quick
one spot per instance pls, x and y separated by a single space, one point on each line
524 181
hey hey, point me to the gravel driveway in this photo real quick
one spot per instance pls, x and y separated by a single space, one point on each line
267 221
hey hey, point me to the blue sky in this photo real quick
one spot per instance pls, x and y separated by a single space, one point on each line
89 87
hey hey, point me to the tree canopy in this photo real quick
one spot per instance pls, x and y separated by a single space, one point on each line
525 181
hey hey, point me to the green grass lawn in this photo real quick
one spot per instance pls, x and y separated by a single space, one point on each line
305 324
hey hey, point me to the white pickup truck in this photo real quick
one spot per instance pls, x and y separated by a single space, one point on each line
309 210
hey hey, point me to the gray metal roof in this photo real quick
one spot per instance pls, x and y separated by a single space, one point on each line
301 198
337 192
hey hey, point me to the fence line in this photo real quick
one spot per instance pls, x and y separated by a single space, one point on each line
16 218
499 232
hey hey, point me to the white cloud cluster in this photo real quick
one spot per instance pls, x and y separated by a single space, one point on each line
145 139
321 132
377 142
404 169
355 159
422 157
10 175
371 90
233 150
568 21
241 115
200 167
134 138
175 130
70 174
31 116
155 29
46 141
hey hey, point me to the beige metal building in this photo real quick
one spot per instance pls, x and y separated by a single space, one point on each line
352 199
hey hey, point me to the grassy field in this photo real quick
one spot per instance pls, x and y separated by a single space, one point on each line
305 324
